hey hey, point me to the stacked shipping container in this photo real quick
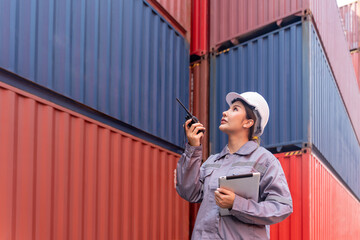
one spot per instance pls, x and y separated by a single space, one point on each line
232 21
289 68
66 175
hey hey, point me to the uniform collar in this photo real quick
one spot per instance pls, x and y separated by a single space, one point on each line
246 149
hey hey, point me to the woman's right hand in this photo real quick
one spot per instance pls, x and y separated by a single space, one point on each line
193 138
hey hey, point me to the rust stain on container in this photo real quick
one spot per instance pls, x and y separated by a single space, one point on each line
65 176
323 207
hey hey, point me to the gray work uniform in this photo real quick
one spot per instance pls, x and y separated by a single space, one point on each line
197 182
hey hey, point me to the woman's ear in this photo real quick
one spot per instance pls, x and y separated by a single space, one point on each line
249 123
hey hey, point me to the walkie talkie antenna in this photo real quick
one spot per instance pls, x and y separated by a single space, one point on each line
184 107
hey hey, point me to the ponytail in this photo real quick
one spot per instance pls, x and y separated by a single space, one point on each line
256 139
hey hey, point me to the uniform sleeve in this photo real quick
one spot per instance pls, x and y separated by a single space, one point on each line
188 184
275 199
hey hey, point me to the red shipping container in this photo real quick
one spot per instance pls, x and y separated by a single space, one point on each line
176 12
66 176
231 19
323 207
350 16
199 44
356 62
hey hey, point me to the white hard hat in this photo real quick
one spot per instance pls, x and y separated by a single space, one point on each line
261 108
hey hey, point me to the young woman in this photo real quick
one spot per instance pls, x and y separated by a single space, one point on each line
243 122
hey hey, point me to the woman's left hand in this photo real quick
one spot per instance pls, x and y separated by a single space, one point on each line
224 198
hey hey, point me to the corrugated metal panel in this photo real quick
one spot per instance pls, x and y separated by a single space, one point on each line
331 129
327 19
199 97
178 12
118 57
355 56
231 19
199 27
58 99
296 167
350 15
323 207
288 67
65 176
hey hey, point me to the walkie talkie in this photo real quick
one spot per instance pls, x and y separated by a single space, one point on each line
190 116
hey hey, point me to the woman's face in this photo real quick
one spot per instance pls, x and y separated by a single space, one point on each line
234 119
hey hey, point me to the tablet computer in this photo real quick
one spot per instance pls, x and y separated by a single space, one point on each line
244 185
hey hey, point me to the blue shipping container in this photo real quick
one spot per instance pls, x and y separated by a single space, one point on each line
289 68
118 57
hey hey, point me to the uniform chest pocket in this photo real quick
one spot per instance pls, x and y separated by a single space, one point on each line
209 180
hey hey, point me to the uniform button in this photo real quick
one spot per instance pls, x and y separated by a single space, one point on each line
227 156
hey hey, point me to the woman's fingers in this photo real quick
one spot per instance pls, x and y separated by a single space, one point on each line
217 198
195 125
224 191
224 198
197 129
192 127
187 124
194 138
217 194
200 135
219 203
